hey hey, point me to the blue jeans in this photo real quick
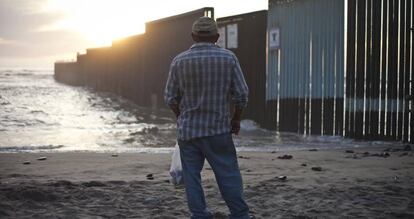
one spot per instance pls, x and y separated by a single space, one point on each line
221 155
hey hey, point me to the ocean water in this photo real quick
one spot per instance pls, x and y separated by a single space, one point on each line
38 114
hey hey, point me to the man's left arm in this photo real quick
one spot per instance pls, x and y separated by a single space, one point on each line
239 89
239 92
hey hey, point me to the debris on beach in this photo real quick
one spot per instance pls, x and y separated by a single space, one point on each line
114 155
368 154
403 154
349 151
243 157
304 165
406 148
396 178
316 168
383 154
42 158
353 156
285 157
94 184
313 149
282 178
26 162
150 176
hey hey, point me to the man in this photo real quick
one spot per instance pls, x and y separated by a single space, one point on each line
201 83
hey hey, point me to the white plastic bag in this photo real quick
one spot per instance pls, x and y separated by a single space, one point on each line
176 170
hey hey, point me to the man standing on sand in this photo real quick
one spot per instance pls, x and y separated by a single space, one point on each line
201 83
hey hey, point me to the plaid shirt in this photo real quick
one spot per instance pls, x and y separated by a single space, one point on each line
202 81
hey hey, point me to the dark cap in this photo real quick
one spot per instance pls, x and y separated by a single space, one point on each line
204 26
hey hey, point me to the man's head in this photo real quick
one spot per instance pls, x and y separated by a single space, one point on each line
205 30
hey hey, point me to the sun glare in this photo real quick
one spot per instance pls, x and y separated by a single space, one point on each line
100 21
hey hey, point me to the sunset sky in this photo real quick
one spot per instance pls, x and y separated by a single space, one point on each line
35 33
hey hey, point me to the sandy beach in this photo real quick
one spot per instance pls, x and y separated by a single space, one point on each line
363 183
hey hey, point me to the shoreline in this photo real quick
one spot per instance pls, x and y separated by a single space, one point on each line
98 185
240 149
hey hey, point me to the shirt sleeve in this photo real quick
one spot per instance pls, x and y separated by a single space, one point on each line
172 94
239 89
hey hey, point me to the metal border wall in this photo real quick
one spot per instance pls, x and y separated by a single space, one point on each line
379 70
304 87
305 72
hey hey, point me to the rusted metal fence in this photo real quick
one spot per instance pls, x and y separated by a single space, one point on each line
307 50
67 72
379 69
305 83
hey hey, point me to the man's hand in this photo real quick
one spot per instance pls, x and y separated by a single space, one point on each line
235 126
235 121
176 109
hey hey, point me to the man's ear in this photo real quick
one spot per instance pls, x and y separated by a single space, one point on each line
216 37
195 38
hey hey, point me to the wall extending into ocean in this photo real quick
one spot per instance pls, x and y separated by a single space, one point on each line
314 67
135 67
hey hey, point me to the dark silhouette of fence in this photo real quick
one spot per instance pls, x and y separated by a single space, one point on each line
306 75
135 67
379 70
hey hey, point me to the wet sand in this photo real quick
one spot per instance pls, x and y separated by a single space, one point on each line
99 185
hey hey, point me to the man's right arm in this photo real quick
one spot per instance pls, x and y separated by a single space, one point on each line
172 95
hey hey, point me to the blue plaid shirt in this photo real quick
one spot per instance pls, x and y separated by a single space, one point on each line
202 81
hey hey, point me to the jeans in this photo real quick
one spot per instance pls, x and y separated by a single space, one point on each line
221 155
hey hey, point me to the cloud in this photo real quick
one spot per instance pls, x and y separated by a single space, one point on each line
21 36
7 42
44 43
19 18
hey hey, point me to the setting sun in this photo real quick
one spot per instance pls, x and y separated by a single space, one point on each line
100 21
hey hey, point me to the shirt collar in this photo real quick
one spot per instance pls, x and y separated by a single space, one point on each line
203 44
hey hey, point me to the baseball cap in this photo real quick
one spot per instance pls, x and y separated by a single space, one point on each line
204 26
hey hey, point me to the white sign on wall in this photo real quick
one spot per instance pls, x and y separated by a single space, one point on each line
274 38
222 39
232 37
